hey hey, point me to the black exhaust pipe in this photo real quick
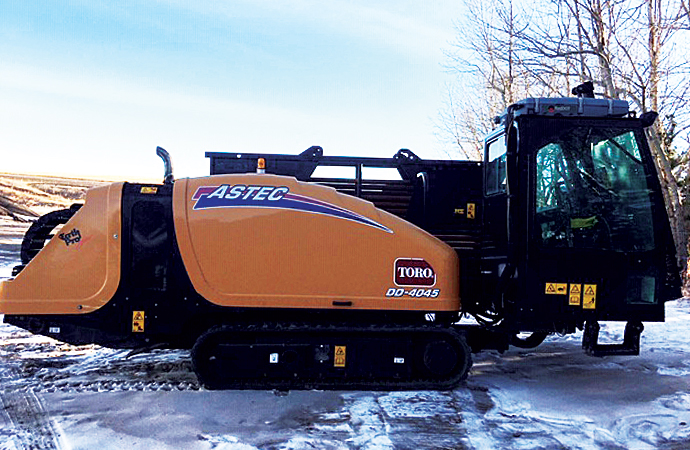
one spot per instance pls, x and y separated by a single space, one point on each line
165 156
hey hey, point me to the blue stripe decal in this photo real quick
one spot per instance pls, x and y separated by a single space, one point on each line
277 197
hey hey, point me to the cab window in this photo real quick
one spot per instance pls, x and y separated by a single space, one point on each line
496 166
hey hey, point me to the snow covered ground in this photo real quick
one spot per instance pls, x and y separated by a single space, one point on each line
56 396
553 397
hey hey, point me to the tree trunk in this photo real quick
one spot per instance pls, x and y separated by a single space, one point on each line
602 49
670 189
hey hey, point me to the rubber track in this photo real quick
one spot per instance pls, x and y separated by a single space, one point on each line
322 332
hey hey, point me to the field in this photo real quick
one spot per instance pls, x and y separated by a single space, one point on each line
25 197
41 194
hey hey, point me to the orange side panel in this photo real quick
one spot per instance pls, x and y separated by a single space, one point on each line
269 241
76 278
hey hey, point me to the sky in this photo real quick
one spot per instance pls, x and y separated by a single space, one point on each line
90 88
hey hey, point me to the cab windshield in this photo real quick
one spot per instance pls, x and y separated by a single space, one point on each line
592 191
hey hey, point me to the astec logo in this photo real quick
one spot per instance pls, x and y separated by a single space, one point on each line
236 195
277 197
414 272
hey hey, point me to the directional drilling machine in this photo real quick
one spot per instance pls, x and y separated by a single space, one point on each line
277 278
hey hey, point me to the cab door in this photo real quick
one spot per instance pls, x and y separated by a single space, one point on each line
597 227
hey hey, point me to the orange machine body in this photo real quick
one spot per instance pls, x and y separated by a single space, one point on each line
78 271
247 241
271 241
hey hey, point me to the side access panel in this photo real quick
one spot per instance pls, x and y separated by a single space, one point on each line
271 241
78 271
443 197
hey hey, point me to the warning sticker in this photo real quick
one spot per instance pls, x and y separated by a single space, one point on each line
471 210
138 321
574 294
589 296
556 288
339 360
149 190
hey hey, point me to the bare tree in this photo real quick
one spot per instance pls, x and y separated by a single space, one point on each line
484 58
461 126
685 11
627 47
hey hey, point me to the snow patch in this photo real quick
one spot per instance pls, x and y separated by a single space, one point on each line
341 427
6 272
225 442
556 397
306 443
681 371
368 422
416 404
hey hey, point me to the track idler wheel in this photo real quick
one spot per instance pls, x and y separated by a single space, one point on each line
441 358
205 360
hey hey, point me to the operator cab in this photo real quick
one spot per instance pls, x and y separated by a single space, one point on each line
576 226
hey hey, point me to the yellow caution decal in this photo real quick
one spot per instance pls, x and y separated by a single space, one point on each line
589 296
471 210
556 288
574 295
138 321
339 360
149 190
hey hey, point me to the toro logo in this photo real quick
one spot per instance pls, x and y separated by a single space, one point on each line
414 272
